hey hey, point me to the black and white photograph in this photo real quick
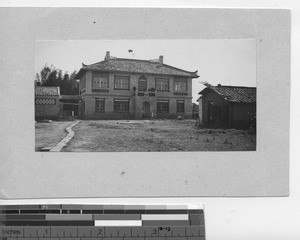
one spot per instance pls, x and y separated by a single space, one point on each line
145 95
144 102
179 118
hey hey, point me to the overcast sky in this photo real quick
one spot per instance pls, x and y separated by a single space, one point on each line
224 61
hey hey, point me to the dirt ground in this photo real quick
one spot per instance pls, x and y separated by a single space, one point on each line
49 134
156 135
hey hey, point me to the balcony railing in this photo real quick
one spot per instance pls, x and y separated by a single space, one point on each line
144 94
100 90
180 93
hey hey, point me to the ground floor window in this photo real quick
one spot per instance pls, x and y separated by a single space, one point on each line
162 106
99 105
180 106
121 105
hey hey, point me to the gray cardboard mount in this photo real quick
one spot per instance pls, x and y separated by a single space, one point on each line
25 173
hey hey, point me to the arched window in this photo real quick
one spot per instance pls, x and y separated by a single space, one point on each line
143 83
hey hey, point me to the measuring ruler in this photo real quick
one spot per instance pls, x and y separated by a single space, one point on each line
105 222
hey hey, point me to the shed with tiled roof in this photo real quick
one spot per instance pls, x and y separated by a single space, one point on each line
228 106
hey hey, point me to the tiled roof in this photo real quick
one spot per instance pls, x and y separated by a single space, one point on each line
233 93
47 91
137 66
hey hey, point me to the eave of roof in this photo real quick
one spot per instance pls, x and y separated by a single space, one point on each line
236 94
176 71
46 91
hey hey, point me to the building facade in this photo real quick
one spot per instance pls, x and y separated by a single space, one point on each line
119 88
228 106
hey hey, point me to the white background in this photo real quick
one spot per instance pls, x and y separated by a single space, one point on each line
230 218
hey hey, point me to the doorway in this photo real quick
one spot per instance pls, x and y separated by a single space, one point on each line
146 110
225 117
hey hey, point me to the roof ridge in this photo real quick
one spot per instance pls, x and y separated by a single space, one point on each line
234 86
130 59
126 59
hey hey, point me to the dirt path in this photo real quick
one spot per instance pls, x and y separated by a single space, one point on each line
155 136
66 139
49 134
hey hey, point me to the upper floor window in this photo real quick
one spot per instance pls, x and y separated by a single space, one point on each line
100 80
122 82
142 83
180 85
162 84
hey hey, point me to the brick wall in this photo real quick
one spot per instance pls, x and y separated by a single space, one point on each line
47 107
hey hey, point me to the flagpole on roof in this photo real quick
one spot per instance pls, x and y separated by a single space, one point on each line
131 51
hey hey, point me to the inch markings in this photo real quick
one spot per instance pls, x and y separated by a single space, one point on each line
105 222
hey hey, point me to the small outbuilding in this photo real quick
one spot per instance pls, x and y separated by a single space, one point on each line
47 105
228 106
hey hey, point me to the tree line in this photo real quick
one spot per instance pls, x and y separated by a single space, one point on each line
54 77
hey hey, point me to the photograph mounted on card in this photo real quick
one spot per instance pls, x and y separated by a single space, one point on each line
135 103
182 103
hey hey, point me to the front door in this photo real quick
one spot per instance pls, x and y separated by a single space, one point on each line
146 110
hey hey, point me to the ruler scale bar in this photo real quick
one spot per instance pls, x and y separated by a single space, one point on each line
118 223
23 217
117 217
113 238
105 222
165 217
105 231
90 211
49 223
99 211
70 211
166 223
42 211
71 217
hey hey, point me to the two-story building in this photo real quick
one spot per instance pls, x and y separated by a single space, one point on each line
120 88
